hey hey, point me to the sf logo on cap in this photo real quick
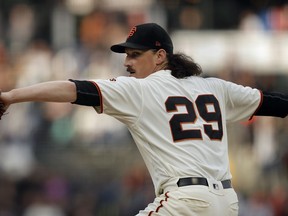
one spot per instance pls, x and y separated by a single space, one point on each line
132 31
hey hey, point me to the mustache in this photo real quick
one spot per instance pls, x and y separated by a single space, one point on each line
130 70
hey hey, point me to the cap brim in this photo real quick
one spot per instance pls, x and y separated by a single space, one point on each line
120 48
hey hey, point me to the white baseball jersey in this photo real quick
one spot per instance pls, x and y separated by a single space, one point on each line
179 125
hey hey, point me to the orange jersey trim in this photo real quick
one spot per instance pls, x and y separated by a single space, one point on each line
100 95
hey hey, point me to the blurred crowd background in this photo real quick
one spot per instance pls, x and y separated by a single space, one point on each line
66 160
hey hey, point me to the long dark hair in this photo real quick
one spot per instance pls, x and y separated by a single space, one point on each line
182 66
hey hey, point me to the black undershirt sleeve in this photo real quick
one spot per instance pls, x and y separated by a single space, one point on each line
273 104
87 93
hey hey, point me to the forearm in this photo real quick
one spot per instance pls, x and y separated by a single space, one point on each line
56 91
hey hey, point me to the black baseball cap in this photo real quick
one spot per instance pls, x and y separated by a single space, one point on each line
146 36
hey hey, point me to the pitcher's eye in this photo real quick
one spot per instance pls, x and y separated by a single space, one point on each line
134 54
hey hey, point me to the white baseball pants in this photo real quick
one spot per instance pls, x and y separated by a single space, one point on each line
195 200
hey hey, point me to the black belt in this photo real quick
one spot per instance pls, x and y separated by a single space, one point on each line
201 181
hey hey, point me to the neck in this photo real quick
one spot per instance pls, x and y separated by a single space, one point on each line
159 67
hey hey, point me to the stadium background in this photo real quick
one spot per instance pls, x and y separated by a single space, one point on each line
65 160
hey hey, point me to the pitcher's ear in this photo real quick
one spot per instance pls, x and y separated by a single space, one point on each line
161 55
